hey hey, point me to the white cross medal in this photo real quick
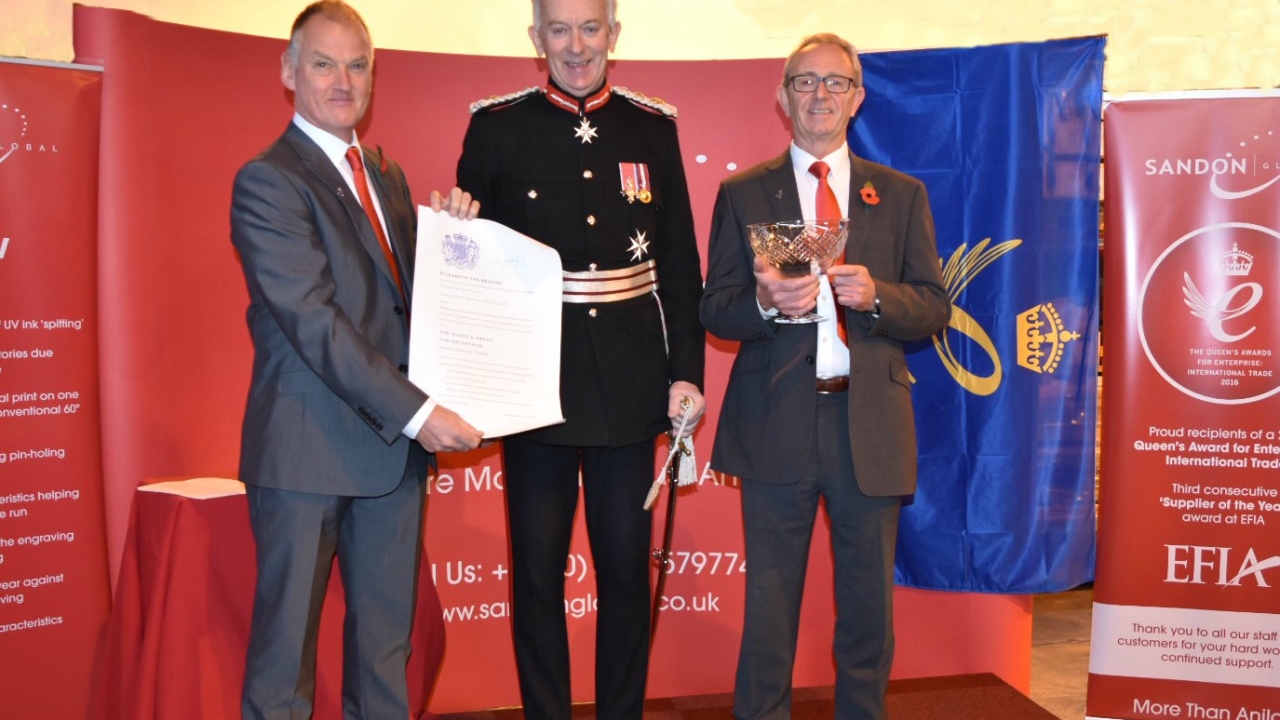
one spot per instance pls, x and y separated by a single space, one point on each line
585 132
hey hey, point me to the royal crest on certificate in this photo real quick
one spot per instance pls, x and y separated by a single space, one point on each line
485 334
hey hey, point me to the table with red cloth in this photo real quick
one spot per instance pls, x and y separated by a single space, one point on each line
179 625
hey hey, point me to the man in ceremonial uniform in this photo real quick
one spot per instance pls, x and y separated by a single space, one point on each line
821 411
593 171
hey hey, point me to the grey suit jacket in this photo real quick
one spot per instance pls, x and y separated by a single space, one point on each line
767 418
329 396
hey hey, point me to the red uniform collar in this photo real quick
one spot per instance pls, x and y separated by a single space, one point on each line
569 103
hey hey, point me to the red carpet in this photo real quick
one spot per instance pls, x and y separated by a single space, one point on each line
954 697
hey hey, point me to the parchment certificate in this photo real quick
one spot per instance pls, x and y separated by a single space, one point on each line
485 334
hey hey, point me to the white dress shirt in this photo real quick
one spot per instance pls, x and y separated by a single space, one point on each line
832 356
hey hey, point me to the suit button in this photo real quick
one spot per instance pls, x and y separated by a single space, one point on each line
399 310
591 219
759 336
587 174
808 359
404 369
593 312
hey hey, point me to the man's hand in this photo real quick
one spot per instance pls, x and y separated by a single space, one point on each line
457 203
681 389
790 295
446 431
853 287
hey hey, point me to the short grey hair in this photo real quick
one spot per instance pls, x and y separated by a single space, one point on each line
335 10
537 13
824 39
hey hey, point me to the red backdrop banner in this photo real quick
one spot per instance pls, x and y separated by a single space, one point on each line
53 579
185 107
1185 618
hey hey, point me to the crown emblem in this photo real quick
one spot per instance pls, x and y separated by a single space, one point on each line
1037 328
1236 262
460 251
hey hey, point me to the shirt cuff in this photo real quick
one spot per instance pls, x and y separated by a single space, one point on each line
419 419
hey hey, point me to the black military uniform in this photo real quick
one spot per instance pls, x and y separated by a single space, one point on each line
600 179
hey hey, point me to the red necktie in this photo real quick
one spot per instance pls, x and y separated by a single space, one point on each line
826 207
356 161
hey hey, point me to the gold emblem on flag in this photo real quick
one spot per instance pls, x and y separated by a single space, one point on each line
1041 338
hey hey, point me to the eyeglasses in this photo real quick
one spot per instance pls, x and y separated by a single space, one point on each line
809 83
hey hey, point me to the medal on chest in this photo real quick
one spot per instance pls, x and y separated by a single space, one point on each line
635 182
585 131
639 245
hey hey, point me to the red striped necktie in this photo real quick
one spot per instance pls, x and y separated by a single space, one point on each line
356 160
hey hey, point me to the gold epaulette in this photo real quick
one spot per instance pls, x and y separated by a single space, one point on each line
479 105
658 104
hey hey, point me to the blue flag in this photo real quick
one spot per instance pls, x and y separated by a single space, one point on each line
1007 140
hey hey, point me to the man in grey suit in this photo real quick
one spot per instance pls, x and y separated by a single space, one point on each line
807 415
336 440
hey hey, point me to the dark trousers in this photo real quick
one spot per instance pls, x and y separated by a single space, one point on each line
778 523
378 543
542 498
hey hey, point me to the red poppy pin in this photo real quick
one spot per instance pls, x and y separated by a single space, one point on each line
868 193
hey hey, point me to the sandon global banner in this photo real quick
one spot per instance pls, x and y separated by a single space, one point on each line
53 578
1186 621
